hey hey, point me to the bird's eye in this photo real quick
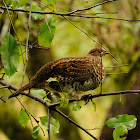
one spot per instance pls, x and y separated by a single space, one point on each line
99 51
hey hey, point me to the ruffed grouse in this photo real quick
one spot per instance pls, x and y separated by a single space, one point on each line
73 74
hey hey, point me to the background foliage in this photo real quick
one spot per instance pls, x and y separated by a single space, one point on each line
121 38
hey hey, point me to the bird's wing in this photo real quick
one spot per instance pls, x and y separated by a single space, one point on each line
73 69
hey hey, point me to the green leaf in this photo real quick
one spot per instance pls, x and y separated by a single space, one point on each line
23 117
35 131
63 102
76 107
94 105
46 33
41 94
22 3
14 3
129 121
44 120
9 54
8 2
54 124
51 3
120 132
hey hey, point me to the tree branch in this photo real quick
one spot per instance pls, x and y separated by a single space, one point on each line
71 121
62 14
52 106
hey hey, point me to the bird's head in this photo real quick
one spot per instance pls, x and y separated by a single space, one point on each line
97 52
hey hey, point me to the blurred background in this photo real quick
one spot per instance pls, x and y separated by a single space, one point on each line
121 38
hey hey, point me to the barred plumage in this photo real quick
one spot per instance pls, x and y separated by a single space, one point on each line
73 74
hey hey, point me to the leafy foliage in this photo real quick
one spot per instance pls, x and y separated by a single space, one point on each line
47 32
23 117
54 124
9 54
120 133
63 102
41 94
35 131
128 120
76 107
121 123
51 3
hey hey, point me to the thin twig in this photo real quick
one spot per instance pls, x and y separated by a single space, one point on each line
2 99
117 73
62 14
48 25
88 8
134 81
89 36
67 14
96 13
28 32
117 66
101 74
49 116
29 114
71 121
4 87
129 20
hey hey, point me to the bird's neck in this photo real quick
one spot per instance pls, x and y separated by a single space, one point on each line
95 58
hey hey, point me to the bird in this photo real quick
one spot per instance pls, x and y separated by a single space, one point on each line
72 75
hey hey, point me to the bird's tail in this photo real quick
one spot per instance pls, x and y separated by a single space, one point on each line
25 87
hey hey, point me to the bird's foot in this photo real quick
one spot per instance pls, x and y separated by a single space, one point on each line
86 98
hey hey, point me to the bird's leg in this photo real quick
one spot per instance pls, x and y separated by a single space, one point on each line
85 97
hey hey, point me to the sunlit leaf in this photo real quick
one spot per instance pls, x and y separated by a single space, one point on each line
35 131
41 94
94 105
63 102
47 32
8 2
44 120
14 3
54 124
22 3
23 117
120 133
9 54
51 3
129 121
76 107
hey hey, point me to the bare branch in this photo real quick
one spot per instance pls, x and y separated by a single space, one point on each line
49 115
28 32
52 106
117 73
117 66
71 121
88 8
89 36
1 98
62 14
